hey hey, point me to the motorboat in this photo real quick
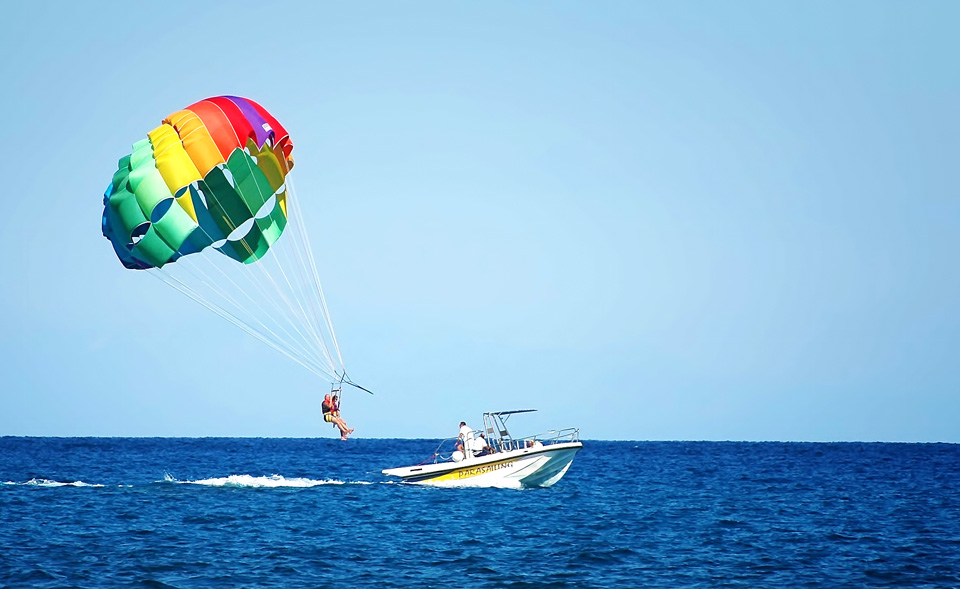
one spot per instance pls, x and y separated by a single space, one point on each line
492 457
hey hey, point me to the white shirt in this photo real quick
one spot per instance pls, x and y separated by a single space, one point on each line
466 433
479 443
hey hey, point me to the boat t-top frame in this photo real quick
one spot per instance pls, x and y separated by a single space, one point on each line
499 438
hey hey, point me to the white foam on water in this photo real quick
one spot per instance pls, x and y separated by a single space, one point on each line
272 481
49 483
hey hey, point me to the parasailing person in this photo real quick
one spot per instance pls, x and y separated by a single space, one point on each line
331 414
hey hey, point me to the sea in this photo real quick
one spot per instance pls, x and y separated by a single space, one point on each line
242 512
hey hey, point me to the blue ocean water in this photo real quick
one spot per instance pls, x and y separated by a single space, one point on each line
215 512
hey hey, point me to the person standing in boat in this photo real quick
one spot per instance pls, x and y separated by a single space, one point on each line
465 440
331 414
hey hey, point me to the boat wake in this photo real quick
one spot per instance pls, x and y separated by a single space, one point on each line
49 483
236 480
261 482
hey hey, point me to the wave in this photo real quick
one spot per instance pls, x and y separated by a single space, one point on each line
235 480
50 483
272 481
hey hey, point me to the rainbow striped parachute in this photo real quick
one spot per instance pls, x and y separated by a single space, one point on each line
211 174
213 179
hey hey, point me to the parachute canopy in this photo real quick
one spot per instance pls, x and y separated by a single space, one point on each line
213 174
207 189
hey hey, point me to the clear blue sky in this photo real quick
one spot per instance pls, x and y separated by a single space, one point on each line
663 220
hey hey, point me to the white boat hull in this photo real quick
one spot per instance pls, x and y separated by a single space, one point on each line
540 466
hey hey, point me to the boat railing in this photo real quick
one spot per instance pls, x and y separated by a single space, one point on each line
570 434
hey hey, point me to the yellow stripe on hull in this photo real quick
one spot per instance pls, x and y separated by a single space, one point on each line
472 471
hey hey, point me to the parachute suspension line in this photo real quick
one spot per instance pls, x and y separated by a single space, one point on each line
264 332
297 310
262 268
316 278
179 286
250 318
294 318
296 251
299 296
312 293
302 315
262 265
325 313
261 288
307 268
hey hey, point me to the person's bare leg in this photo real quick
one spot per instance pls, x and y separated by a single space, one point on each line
345 426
